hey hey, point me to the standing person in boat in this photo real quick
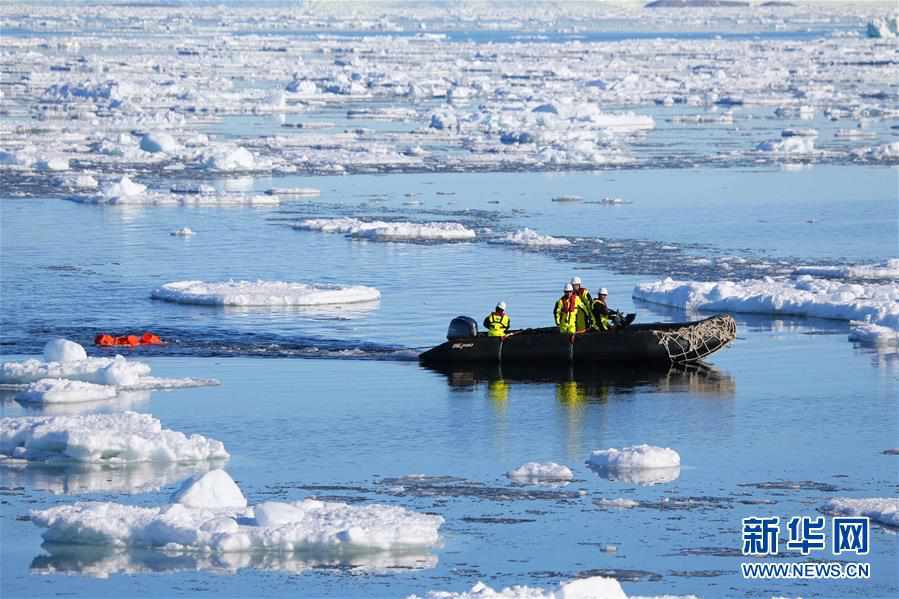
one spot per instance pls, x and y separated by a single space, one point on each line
585 317
567 310
497 322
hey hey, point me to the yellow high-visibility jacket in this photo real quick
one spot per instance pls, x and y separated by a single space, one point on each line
496 325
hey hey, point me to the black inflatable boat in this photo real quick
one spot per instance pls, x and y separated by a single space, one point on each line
639 344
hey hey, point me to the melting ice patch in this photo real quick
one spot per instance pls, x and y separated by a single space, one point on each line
208 514
869 303
263 293
529 237
389 231
596 587
884 510
114 439
541 472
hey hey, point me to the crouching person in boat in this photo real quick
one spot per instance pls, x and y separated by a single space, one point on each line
568 308
497 322
605 319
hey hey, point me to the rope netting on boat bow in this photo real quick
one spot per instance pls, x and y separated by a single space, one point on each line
697 340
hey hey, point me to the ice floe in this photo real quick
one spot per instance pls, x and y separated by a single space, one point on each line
183 232
541 472
870 303
263 293
529 237
389 231
884 510
636 457
888 269
66 363
620 503
596 587
114 439
206 515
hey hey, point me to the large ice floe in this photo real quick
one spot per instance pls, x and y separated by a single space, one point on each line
210 514
871 308
67 374
884 510
263 293
638 464
113 439
541 472
389 231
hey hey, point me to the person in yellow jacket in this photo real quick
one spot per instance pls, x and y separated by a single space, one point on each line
497 322
567 310
585 317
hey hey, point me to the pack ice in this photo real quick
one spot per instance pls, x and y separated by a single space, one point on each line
113 439
263 293
67 374
209 514
872 308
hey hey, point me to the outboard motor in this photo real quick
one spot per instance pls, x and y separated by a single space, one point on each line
462 327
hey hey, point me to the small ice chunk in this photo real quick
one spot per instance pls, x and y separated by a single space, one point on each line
389 231
183 232
636 457
158 141
263 293
231 159
124 187
620 503
529 237
63 350
884 510
541 472
212 490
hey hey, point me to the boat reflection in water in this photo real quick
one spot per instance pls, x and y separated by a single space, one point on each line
576 384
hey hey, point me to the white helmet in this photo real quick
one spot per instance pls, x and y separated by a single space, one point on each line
603 291
501 306
569 287
576 281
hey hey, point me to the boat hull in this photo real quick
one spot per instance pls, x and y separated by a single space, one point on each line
644 344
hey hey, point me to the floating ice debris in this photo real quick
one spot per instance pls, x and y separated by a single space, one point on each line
230 159
541 472
124 188
884 510
183 232
212 521
64 359
52 164
114 439
529 237
263 293
876 304
63 350
564 199
65 391
596 587
158 141
636 457
389 231
789 145
619 503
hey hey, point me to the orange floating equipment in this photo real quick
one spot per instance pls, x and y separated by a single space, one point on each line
107 340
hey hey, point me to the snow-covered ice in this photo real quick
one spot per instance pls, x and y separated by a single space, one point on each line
206 515
541 472
888 269
65 391
63 350
389 231
871 303
529 237
263 293
884 510
102 438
